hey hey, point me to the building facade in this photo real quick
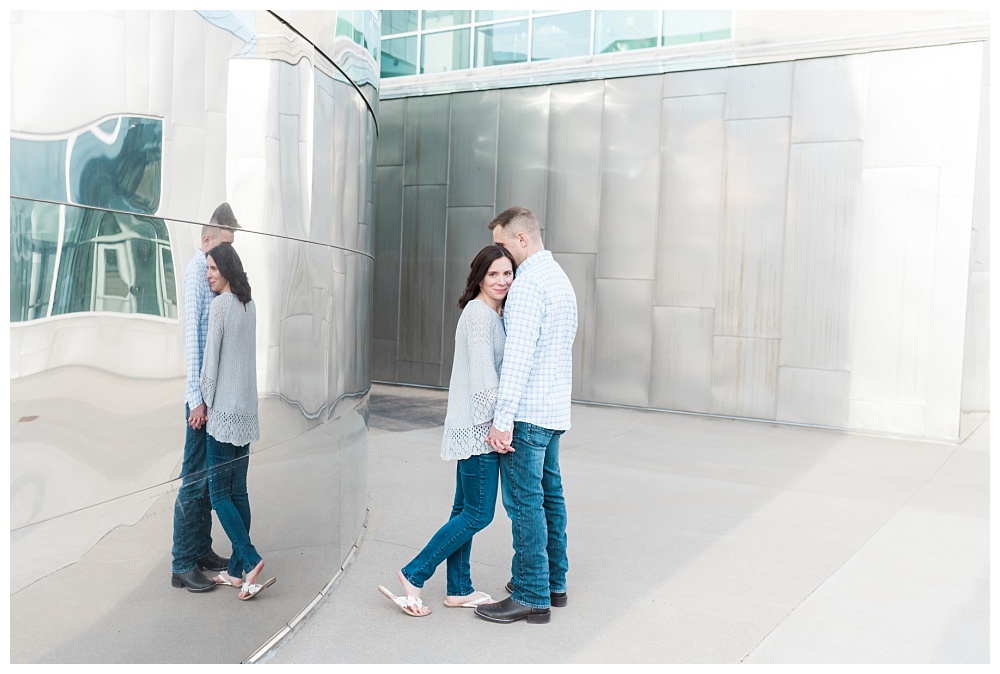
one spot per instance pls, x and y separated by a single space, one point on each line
128 128
786 224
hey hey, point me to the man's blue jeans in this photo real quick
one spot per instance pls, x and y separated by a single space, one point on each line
533 496
476 480
227 485
193 508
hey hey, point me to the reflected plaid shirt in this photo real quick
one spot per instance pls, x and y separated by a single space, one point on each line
536 379
198 297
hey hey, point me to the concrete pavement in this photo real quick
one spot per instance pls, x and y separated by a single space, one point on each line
691 540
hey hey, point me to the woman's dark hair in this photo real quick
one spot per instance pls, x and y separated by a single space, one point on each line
231 268
478 269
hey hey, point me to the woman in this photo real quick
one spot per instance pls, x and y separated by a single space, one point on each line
475 376
229 387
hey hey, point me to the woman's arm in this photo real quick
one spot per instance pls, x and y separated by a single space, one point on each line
213 349
483 375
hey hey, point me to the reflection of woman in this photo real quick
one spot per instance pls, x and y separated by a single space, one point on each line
229 387
475 376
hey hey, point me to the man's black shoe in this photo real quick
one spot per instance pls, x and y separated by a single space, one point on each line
508 611
557 599
212 562
194 580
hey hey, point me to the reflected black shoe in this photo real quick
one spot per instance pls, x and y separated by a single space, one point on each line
194 580
508 611
557 599
212 562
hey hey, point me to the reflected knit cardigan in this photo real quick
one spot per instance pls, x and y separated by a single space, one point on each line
229 371
475 376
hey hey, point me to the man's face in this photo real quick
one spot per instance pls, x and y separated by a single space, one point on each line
512 243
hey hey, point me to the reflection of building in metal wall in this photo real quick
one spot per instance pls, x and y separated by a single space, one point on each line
172 114
788 225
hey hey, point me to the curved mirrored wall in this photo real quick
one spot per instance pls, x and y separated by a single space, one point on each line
127 130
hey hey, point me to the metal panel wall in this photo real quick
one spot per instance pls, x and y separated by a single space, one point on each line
787 241
270 125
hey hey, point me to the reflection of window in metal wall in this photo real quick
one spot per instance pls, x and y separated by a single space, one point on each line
446 40
67 259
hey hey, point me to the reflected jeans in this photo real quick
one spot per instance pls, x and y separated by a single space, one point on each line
193 508
533 497
476 480
227 485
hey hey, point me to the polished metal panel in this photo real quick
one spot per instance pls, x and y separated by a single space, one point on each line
745 377
392 115
681 364
630 178
824 213
425 138
748 289
172 115
805 251
691 203
830 99
760 91
891 349
473 146
581 268
422 275
573 200
522 151
388 243
813 396
976 370
696 82
623 338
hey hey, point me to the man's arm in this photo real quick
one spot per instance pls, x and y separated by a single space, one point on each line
524 322
194 302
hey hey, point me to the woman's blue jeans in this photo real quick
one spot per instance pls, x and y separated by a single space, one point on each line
476 480
227 487
533 496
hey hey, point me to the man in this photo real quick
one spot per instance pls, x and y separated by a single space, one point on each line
532 412
192 549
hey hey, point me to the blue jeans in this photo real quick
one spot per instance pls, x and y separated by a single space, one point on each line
533 496
192 509
227 485
476 481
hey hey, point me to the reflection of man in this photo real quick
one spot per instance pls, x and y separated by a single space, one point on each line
536 381
193 509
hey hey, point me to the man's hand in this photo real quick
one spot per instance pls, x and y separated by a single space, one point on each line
499 440
198 416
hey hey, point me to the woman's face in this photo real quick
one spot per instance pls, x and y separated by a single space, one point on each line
498 279
216 281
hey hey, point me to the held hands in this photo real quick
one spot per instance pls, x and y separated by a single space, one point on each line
198 416
500 440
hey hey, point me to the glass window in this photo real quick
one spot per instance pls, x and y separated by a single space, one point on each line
444 18
682 27
625 30
561 36
445 51
494 14
399 21
399 56
502 43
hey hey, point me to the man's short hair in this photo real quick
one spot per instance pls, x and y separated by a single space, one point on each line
516 219
222 218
